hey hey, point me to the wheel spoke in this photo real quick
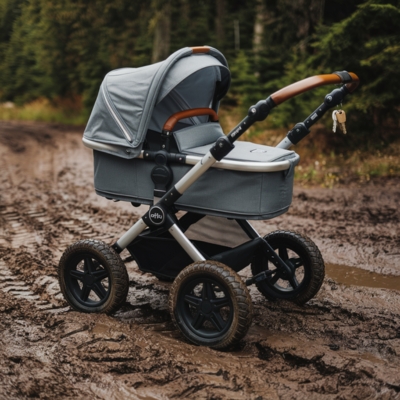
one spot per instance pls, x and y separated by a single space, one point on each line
220 302
85 292
98 288
274 279
89 266
283 253
76 274
198 321
193 300
293 282
217 321
296 262
208 292
100 275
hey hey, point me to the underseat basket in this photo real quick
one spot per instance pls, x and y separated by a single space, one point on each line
223 192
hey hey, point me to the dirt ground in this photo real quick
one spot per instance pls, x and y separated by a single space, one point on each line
343 344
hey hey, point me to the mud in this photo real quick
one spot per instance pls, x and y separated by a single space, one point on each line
345 343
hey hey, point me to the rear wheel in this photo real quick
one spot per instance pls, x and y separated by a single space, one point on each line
304 260
93 277
211 305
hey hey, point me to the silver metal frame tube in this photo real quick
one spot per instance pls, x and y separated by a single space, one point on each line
131 234
285 144
202 166
250 226
185 243
246 166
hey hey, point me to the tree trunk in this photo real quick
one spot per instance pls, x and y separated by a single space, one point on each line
258 43
219 23
161 23
305 14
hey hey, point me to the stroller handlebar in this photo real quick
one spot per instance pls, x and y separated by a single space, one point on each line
260 111
349 78
174 118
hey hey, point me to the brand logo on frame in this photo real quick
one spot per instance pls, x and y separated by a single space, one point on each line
156 215
235 132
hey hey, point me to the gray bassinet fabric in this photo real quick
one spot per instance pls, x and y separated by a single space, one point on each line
246 151
222 193
194 136
131 100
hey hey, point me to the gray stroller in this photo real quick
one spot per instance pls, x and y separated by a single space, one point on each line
156 141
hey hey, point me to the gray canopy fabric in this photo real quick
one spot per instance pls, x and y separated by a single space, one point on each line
133 100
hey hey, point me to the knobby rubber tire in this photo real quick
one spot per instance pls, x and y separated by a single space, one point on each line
232 285
111 262
311 257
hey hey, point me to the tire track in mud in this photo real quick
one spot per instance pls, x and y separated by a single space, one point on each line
11 284
343 344
28 230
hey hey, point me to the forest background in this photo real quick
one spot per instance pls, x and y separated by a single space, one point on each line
54 55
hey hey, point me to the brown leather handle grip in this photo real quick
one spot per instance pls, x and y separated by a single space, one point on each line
304 85
200 49
194 112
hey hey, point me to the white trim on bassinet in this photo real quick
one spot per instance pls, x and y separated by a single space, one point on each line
246 166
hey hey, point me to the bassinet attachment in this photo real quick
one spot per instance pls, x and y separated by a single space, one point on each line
252 182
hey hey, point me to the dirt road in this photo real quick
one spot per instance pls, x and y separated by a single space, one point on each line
345 343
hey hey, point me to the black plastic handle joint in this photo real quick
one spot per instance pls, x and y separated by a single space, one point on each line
298 132
260 111
336 97
221 148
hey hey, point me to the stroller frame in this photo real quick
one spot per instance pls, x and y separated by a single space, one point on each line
161 218
162 215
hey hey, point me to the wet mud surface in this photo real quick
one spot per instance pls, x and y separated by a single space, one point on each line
345 343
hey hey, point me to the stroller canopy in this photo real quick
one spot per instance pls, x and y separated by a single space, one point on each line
133 100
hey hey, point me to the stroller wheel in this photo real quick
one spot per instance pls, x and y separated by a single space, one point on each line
304 259
93 277
211 305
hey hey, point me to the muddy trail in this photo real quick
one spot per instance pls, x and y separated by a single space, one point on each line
344 343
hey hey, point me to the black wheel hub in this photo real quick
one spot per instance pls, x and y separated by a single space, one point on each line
205 307
90 286
284 274
290 281
88 279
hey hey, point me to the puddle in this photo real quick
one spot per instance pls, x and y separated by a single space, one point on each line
359 277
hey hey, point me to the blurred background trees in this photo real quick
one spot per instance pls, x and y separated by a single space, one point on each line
61 50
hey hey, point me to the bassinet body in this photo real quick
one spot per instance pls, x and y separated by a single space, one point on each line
252 182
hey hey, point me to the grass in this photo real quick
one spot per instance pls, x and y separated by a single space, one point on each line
64 112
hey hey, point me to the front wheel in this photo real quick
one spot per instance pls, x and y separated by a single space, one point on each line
211 305
305 262
93 277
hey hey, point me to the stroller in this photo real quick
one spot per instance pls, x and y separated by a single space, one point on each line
156 141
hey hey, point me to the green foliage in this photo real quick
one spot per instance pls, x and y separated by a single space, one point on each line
65 48
367 43
245 89
60 50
